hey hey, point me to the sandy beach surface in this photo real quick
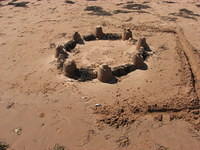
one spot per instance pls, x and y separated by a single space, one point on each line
155 108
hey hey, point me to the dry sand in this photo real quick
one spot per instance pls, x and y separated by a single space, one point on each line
156 108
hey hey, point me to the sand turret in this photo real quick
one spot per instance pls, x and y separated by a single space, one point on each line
104 74
142 44
127 34
138 61
99 32
77 38
70 69
59 50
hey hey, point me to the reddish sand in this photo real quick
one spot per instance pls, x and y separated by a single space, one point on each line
157 108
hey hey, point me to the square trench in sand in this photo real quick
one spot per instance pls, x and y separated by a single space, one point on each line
167 79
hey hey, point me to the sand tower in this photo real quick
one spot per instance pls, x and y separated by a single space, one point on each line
104 74
70 69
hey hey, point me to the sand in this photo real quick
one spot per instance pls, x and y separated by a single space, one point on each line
156 108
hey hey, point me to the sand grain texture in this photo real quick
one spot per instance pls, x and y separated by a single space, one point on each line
156 107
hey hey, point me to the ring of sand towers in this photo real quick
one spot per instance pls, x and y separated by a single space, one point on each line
105 56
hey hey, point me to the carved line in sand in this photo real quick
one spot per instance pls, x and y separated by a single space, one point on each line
104 73
191 52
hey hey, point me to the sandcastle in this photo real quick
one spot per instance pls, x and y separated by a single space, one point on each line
104 73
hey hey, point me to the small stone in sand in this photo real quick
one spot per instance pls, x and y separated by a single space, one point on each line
18 131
